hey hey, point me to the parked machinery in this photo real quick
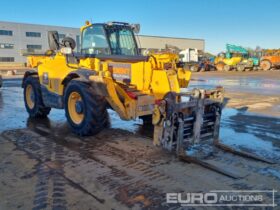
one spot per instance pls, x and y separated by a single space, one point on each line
110 73
249 62
189 57
270 58
196 60
236 58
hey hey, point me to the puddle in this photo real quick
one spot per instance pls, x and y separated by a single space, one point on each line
251 85
116 122
253 136
12 110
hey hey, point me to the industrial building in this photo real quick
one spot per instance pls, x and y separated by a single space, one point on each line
18 38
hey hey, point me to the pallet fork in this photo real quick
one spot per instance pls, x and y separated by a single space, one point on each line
188 125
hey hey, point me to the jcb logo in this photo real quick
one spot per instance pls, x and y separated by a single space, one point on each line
120 71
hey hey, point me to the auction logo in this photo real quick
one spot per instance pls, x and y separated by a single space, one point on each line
261 198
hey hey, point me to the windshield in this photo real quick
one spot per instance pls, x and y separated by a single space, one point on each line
94 41
122 41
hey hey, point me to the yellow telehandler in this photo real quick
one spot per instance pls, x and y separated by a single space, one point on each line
110 72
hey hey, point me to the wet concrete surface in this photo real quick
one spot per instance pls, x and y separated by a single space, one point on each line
256 92
44 166
241 84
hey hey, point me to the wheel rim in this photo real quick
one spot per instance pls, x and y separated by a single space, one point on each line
240 68
75 108
29 96
265 66
226 68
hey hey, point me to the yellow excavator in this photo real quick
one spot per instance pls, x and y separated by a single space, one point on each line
110 73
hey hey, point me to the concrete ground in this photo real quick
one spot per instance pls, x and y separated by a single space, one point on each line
44 166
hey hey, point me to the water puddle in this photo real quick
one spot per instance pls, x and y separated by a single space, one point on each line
244 84
250 132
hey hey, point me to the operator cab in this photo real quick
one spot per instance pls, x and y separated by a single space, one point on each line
112 38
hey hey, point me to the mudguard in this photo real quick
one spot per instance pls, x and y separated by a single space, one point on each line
82 74
27 74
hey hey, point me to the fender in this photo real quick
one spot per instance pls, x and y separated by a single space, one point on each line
266 59
82 74
56 101
27 74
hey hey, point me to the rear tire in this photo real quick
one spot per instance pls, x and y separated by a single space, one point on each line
147 120
240 68
33 98
265 65
220 66
227 68
86 113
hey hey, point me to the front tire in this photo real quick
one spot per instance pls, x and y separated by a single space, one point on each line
33 98
227 67
265 65
86 112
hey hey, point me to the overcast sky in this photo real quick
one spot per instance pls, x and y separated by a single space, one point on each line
243 22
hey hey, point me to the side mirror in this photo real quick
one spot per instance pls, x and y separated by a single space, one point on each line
135 28
53 39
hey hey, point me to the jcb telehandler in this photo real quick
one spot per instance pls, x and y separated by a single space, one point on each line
110 72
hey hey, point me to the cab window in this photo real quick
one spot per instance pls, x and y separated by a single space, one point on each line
94 41
122 41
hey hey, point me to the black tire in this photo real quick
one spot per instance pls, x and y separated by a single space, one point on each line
147 120
93 109
39 109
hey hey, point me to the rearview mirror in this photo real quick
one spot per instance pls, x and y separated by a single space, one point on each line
135 28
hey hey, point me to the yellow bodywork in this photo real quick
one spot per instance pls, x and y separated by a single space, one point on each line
152 79
110 73
132 88
228 61
34 61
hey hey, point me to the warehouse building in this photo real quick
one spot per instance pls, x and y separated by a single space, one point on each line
17 39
